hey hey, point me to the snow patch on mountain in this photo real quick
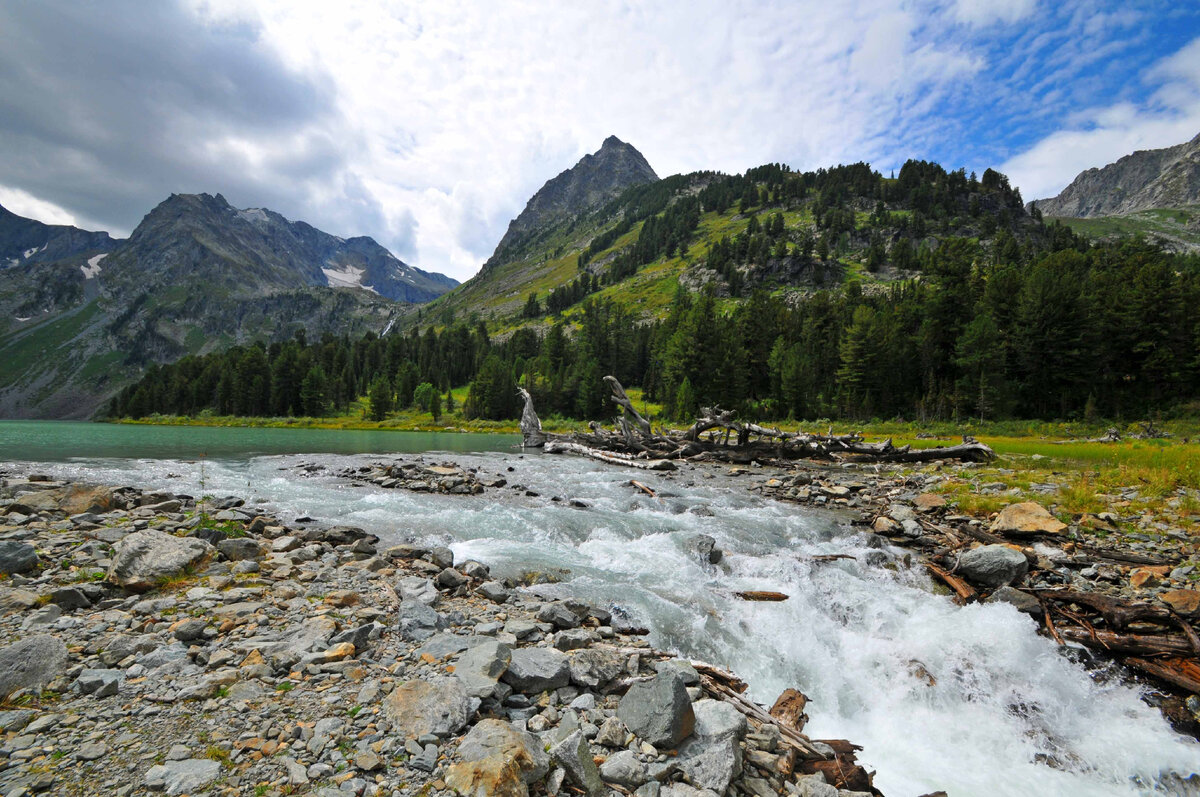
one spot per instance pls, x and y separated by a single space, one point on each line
92 269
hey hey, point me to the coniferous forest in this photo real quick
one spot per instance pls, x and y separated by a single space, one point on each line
1004 317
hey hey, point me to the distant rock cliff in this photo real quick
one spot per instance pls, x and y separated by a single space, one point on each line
1155 178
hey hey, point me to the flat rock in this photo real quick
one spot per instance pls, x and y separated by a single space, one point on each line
1184 601
535 670
439 706
480 668
1023 601
593 668
144 559
31 663
658 710
497 759
182 777
17 557
624 769
575 756
418 622
1027 518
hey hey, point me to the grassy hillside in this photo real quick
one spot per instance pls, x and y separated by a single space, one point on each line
1174 228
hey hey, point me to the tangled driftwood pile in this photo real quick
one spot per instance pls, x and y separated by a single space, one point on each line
718 435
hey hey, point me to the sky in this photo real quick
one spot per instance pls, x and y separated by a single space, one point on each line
428 125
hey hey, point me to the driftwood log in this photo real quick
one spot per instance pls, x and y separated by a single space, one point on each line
718 435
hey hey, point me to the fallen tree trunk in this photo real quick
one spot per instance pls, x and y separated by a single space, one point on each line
633 442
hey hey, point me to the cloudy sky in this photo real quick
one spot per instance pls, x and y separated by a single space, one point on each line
427 125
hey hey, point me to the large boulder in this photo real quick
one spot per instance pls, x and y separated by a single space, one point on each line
535 670
497 760
1026 518
993 565
31 664
17 557
145 559
79 498
658 710
593 668
440 706
711 757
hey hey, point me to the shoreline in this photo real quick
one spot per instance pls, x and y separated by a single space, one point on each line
215 649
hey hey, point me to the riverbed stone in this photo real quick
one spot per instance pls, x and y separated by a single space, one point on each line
182 777
1027 517
421 590
993 565
17 557
534 670
658 710
1184 601
575 756
145 559
240 549
438 706
417 621
31 663
711 757
1023 601
624 768
497 759
593 668
480 668
99 683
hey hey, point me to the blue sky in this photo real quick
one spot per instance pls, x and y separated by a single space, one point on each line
428 125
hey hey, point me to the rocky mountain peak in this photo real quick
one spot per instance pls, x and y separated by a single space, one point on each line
594 180
1146 179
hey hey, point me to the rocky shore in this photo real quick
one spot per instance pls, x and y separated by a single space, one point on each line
152 643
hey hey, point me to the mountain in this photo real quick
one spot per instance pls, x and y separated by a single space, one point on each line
585 186
83 315
1145 180
25 241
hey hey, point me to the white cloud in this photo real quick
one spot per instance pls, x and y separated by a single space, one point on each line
981 13
1101 135
26 204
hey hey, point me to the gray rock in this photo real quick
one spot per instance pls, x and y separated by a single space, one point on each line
100 683
446 644
240 549
451 579
682 668
558 615
70 598
711 758
706 547
439 706
90 751
476 570
17 557
360 637
1023 601
182 777
574 756
573 639
593 669
494 591
417 621
993 565
15 720
31 663
421 590
658 710
497 758
190 630
144 559
442 557
651 789
534 670
624 769
612 733
480 668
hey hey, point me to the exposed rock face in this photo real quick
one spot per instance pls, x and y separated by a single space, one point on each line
145 558
1156 178
585 186
25 241
31 663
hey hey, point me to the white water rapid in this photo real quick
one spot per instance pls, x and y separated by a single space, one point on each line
969 700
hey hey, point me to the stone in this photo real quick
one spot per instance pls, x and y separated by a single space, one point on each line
1023 601
90 751
240 549
16 600
658 710
285 544
497 759
17 557
417 621
574 639
494 591
992 565
706 548
480 668
574 756
885 525
70 598
144 559
927 502
711 758
31 663
558 615
593 668
534 670
367 761
421 590
683 669
99 683
444 645
1027 518
189 630
1184 601
450 578
439 706
613 733
1144 578
182 777
624 769
80 498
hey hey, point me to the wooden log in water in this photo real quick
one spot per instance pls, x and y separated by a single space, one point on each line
761 595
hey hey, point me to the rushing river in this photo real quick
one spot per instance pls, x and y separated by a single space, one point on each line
969 700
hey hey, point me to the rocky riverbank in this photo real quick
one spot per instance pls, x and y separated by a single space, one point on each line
152 643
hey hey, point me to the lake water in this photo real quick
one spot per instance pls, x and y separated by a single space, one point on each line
966 699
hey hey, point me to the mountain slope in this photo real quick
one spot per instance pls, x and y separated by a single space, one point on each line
25 241
1144 180
195 275
587 185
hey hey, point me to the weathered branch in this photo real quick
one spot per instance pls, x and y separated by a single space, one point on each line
531 426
